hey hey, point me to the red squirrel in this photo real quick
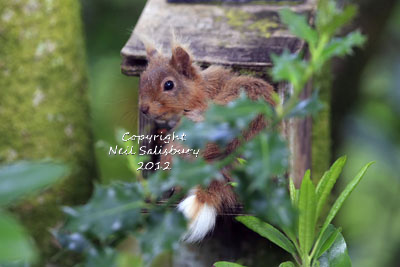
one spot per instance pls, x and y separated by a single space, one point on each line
173 87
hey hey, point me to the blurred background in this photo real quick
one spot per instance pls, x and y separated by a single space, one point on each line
365 115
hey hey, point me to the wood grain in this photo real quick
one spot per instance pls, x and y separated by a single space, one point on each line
238 36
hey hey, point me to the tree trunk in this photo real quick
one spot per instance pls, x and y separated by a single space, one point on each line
44 104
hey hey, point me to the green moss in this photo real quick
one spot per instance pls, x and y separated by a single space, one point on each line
237 18
244 21
248 72
264 27
321 131
44 104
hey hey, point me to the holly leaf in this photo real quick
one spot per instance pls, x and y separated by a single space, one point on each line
197 172
266 156
222 124
111 209
164 229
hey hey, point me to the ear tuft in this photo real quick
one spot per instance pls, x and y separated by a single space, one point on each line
151 52
182 62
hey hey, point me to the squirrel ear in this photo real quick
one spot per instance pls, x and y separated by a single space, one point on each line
151 52
182 62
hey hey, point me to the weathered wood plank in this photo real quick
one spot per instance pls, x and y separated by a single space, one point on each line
238 36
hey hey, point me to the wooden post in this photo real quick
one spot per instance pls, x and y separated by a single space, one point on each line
241 37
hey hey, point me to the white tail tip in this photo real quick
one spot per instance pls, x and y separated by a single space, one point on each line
202 218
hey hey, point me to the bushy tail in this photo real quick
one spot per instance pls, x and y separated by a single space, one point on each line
201 208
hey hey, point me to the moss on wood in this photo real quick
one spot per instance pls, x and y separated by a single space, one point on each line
44 105
245 21
321 130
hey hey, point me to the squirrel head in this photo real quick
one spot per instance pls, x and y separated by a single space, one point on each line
171 87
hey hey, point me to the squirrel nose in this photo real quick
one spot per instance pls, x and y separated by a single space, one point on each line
144 109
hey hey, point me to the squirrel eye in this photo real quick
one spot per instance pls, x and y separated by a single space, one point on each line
168 85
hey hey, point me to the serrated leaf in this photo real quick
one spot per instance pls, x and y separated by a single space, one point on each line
106 258
343 196
76 242
197 172
342 46
227 264
267 156
327 182
299 26
111 209
288 67
268 231
330 19
336 255
163 232
22 178
15 243
222 124
307 209
287 264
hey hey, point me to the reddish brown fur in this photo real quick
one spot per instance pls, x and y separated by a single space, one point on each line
193 90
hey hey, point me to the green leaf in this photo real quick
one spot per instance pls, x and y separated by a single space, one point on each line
327 182
287 264
197 172
111 209
329 242
288 67
343 196
293 192
164 229
299 26
330 19
129 260
268 231
15 243
226 264
307 208
131 160
336 255
106 258
22 178
223 123
267 156
342 46
326 240
76 242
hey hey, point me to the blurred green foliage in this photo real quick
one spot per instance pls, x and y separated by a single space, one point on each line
19 180
113 96
371 217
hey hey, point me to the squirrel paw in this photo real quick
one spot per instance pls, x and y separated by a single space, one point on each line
201 218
